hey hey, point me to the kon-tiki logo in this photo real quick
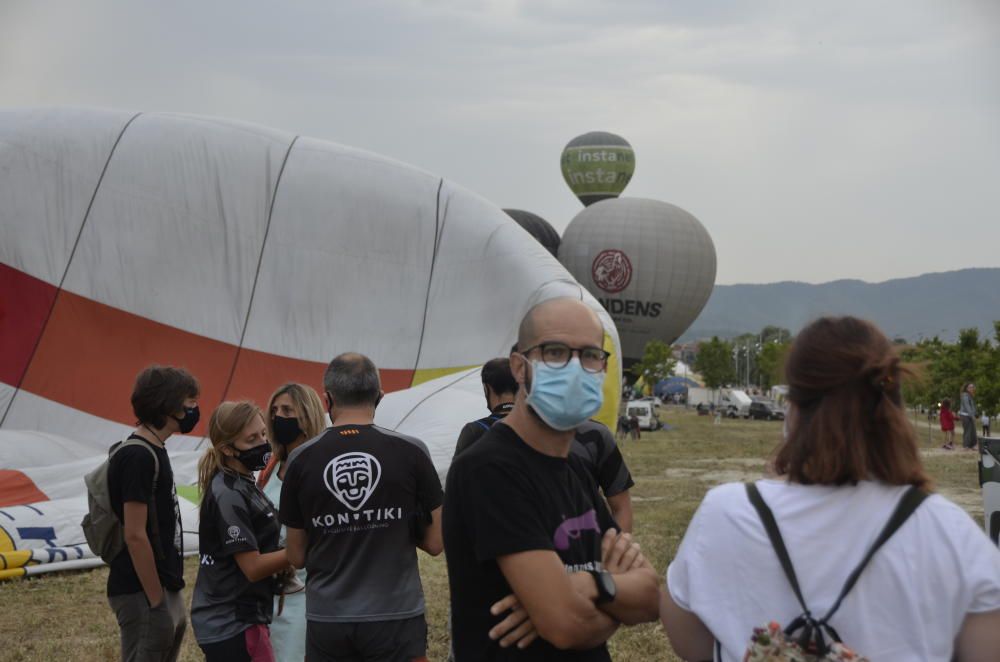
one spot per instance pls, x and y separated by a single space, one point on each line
352 478
612 270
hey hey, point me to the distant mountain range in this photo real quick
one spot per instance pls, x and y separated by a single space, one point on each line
912 308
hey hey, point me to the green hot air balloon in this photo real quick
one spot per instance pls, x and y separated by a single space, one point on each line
597 165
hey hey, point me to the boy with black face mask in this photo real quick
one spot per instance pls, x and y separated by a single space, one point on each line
146 578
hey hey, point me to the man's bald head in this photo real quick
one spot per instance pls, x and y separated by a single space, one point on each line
556 320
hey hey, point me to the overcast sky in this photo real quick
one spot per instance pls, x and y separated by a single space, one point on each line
815 141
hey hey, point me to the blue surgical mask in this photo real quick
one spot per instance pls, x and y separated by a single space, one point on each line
565 397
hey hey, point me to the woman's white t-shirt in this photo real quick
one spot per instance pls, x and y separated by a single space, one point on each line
909 603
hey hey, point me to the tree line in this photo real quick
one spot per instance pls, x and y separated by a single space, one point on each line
751 360
940 368
944 368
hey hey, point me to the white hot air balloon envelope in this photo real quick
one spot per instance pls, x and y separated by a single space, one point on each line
249 256
650 263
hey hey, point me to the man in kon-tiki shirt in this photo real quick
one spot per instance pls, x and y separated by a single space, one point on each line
356 502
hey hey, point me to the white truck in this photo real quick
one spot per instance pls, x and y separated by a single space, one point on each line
731 401
644 411
698 395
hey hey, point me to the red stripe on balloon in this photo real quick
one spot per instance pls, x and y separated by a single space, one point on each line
24 303
259 374
90 354
16 489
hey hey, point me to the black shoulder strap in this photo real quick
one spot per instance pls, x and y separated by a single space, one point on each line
492 418
777 542
908 503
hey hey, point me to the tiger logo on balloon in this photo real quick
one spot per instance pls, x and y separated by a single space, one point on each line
612 270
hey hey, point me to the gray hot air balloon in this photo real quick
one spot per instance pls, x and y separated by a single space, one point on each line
650 264
538 228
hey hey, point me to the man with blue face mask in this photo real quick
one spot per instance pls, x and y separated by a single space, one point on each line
536 565
593 441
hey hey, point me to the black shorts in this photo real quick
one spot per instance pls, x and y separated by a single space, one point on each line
381 641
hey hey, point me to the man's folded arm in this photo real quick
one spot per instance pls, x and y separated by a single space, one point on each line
560 612
637 597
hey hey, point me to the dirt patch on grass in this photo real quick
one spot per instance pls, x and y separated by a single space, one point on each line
717 472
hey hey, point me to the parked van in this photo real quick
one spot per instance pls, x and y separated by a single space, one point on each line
736 401
643 410
732 402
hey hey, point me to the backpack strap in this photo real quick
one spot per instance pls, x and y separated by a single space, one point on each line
777 542
492 418
908 503
154 528
814 629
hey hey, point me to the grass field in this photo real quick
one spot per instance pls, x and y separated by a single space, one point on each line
66 617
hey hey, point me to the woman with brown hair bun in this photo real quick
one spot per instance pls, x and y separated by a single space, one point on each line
848 461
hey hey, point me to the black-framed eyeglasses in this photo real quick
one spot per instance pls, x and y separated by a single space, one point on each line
558 355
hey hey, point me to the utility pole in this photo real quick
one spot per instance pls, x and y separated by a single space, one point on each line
748 366
736 362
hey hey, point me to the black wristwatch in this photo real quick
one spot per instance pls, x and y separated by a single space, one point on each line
606 589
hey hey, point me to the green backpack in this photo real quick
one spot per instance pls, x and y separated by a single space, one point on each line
104 532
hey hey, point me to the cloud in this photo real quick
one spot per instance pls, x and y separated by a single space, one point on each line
813 141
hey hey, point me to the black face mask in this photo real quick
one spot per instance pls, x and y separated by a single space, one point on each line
255 458
190 419
286 430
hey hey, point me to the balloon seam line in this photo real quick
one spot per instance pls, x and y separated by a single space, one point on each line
256 276
430 278
65 274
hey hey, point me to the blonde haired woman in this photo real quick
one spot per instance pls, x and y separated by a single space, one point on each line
238 540
295 415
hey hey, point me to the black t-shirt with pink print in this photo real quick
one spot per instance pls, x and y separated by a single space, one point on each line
504 497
